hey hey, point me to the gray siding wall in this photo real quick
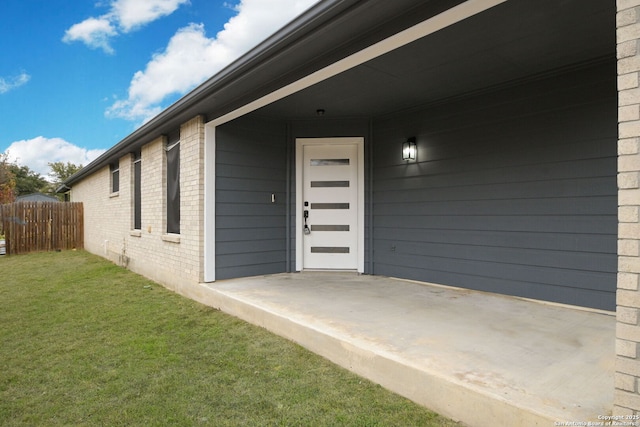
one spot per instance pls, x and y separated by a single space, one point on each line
250 166
255 156
514 191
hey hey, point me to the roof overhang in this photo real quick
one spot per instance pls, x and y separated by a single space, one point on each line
374 57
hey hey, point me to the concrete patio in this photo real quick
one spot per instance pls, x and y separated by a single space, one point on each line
482 359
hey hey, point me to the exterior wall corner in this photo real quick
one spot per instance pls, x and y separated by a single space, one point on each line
626 394
192 191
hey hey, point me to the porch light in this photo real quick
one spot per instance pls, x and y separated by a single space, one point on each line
409 149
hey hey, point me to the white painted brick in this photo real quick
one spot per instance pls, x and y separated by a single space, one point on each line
626 4
628 81
627 315
629 197
629 129
627 49
628 32
626 399
628 264
629 163
626 17
628 247
625 382
621 411
628 146
628 231
628 281
628 96
629 113
628 65
628 214
627 340
628 180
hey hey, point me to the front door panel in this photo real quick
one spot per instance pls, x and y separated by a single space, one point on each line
330 194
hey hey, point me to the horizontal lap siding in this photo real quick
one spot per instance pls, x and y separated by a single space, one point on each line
513 192
250 230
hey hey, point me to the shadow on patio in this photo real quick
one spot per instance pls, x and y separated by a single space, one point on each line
480 358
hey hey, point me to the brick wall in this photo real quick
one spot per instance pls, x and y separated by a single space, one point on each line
173 260
103 231
627 376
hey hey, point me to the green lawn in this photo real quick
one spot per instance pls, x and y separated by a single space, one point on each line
85 342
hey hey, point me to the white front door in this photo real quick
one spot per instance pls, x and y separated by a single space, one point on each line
330 204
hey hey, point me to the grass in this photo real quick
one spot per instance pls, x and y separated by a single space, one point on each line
84 342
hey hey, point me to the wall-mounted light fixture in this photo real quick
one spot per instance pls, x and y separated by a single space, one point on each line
409 149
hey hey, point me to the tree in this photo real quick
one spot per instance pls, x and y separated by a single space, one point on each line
27 180
7 181
60 171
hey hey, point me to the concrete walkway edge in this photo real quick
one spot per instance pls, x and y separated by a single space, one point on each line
443 395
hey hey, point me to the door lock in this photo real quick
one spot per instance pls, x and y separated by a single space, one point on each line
307 230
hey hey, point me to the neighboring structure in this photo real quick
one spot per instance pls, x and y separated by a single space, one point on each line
292 158
36 197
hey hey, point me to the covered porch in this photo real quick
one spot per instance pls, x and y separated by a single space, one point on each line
512 106
512 191
480 358
525 183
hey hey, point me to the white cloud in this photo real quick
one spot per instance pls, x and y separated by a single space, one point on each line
123 17
258 19
132 14
36 153
94 32
14 82
191 57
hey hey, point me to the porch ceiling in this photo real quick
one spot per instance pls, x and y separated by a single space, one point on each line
512 41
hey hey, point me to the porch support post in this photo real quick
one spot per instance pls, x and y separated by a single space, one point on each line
209 207
627 376
192 192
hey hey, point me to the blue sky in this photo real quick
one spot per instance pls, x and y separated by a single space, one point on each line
76 77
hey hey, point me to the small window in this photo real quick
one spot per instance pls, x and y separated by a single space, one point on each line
115 176
173 185
137 190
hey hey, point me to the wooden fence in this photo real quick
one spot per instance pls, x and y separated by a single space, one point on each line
42 226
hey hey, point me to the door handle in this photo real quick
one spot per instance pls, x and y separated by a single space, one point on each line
307 230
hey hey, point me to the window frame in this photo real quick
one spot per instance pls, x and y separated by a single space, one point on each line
114 177
172 156
136 166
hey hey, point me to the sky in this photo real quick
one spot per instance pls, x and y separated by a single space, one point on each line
78 76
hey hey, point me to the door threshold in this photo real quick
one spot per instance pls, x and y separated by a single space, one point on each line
329 270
